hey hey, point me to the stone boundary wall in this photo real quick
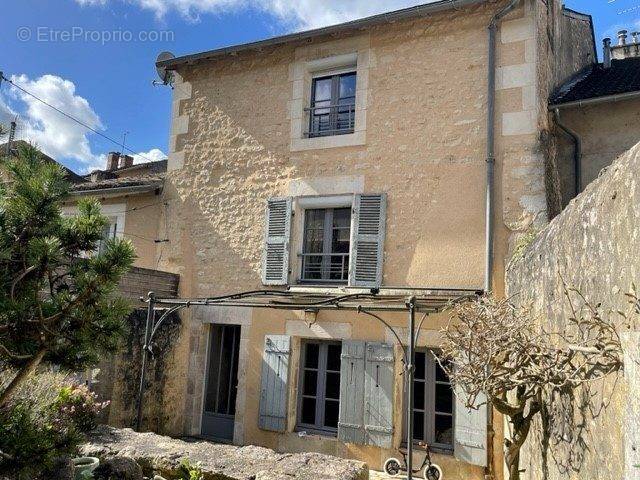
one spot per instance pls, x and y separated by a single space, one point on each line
594 244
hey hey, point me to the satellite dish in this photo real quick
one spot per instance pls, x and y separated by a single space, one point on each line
166 76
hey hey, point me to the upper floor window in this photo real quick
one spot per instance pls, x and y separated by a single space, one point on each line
326 242
433 403
333 104
110 231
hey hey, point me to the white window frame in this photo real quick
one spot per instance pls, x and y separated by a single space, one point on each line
115 213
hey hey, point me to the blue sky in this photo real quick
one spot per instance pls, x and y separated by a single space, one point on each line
95 59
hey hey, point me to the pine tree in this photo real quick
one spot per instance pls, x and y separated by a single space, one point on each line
59 300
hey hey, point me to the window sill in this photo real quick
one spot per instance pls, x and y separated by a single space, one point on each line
303 431
356 138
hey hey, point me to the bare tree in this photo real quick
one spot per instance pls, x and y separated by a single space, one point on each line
505 353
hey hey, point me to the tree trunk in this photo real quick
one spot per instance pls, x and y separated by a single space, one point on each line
24 373
521 426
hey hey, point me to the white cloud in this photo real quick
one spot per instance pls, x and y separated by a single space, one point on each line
55 134
299 13
152 155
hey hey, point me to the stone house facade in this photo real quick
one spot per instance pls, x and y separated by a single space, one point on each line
355 159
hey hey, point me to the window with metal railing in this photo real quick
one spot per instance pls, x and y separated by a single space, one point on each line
332 110
325 248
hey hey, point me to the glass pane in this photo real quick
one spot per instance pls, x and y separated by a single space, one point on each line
331 409
444 398
420 361
313 230
333 357
310 382
418 395
418 426
308 411
341 230
441 375
311 355
332 389
322 89
348 86
444 429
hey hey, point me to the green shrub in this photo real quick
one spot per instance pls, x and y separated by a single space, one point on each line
190 471
42 422
80 405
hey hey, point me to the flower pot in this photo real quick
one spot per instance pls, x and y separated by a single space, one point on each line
84 466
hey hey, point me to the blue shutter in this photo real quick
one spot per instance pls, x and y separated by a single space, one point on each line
351 422
378 394
275 257
275 382
470 431
367 240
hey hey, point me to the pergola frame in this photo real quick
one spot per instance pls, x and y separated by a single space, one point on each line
427 301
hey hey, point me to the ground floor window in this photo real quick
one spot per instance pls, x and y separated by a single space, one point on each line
319 399
433 403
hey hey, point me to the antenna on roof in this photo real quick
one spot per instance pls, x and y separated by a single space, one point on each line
166 76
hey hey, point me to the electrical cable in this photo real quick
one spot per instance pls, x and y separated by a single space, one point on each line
71 117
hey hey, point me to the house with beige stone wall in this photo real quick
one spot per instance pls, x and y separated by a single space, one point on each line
393 156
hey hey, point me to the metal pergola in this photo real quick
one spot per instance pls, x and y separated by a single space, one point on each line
372 303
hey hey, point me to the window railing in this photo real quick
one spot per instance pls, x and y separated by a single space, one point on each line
325 267
331 120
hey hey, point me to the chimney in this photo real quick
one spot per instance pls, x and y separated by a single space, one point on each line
606 62
112 160
622 38
126 161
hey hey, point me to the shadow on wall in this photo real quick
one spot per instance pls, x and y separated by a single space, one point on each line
119 377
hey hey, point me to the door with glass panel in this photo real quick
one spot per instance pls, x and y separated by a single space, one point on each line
221 383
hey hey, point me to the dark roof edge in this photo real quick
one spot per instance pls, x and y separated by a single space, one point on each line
617 97
417 11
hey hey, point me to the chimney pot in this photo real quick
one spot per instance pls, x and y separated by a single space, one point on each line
126 161
622 37
606 58
112 160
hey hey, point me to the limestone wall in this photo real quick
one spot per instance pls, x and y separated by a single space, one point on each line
593 244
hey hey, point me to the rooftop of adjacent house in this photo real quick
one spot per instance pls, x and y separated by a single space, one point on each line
359 24
598 81
130 184
72 176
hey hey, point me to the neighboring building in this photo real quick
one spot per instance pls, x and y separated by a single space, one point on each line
367 145
600 111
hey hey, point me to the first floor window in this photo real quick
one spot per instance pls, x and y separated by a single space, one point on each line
325 249
320 386
433 403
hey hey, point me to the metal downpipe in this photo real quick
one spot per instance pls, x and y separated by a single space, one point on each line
577 151
489 205
491 153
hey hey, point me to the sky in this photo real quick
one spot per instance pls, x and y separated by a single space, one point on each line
94 59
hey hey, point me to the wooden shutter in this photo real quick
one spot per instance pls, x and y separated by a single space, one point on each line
275 382
378 394
470 431
351 422
275 257
367 240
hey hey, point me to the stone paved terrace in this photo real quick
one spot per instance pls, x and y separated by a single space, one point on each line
218 461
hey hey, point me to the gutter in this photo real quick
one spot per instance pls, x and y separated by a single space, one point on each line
491 138
577 150
596 101
115 191
389 17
